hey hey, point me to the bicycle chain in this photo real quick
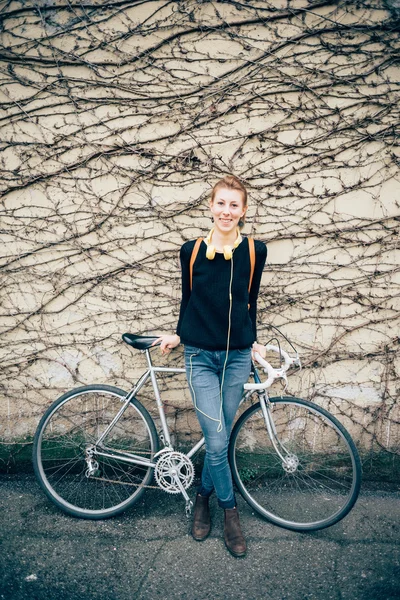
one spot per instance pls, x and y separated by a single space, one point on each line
139 485
151 487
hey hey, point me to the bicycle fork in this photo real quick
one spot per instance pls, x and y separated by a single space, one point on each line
290 461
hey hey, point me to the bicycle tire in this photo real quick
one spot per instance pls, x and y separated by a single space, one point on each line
324 485
68 430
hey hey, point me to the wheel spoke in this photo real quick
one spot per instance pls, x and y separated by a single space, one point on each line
66 441
323 486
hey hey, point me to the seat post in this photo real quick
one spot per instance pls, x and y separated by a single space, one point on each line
148 357
167 438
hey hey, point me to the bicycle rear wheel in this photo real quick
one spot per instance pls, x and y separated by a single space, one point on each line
320 481
66 456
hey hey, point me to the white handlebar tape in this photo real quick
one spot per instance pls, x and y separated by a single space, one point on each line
269 369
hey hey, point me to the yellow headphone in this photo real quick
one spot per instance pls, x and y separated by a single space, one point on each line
228 250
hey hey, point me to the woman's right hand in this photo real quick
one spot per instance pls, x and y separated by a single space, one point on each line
168 342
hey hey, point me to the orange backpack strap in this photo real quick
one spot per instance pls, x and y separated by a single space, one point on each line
252 260
193 258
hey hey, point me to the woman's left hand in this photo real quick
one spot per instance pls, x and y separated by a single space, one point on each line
262 351
167 342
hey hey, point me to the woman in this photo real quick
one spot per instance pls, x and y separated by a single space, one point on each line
217 325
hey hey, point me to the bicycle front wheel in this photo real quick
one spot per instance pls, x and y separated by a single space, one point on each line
83 472
316 480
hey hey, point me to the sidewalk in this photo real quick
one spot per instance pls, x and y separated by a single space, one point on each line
148 553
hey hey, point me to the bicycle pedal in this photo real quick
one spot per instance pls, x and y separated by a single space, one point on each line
188 508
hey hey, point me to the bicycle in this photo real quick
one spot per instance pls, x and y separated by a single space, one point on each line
96 450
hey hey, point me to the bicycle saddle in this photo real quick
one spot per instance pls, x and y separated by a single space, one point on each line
140 342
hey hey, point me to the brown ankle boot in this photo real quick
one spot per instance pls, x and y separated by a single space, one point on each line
201 519
233 535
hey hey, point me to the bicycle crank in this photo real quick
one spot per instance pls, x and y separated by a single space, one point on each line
174 472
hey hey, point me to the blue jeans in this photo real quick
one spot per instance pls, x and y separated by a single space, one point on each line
204 370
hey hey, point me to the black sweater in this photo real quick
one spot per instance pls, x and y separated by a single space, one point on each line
203 318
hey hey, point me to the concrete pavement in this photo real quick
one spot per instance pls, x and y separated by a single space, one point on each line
148 553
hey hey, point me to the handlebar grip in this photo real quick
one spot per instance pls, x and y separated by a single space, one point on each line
288 359
268 369
272 373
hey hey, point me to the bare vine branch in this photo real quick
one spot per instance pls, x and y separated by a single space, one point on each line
117 118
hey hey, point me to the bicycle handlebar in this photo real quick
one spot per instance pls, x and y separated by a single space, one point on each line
270 370
288 359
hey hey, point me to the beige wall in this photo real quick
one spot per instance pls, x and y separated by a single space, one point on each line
114 126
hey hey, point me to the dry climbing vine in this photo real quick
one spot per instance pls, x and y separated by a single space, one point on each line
117 118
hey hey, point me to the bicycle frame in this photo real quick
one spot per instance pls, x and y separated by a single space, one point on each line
151 374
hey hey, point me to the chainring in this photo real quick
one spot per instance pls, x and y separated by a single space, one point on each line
169 464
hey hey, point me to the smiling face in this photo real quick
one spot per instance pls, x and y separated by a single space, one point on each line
227 209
